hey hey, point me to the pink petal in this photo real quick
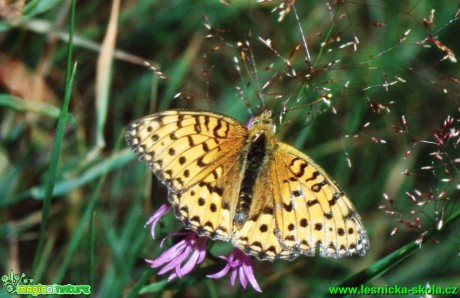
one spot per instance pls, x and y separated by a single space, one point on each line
255 285
202 250
243 280
191 250
165 257
174 263
239 265
172 276
233 277
248 272
221 273
156 216
190 264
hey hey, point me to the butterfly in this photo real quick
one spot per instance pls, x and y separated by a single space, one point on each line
233 183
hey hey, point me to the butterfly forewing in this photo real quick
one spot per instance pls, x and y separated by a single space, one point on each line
197 155
183 148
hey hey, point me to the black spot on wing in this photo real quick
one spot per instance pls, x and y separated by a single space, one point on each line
205 147
216 129
206 122
226 206
268 210
200 162
297 193
289 238
263 228
301 171
180 118
313 176
288 207
254 217
303 222
328 215
335 198
312 202
318 186
191 143
350 215
197 126
293 161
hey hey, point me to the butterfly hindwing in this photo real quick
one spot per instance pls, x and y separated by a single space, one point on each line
258 236
209 207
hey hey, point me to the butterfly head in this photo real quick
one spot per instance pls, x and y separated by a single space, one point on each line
262 124
264 118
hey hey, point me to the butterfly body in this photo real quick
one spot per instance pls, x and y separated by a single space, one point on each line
239 184
255 157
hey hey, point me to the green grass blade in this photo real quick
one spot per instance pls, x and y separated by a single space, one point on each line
57 143
63 187
80 230
92 237
135 290
19 105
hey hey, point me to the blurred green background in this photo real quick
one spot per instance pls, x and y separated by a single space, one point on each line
368 102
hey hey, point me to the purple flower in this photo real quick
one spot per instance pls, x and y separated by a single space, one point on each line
182 257
239 264
153 220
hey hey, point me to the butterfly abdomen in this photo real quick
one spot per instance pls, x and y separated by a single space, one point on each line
253 165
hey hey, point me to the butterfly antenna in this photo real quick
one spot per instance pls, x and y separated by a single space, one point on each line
256 80
250 66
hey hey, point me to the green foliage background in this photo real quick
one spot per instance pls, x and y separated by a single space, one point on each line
375 61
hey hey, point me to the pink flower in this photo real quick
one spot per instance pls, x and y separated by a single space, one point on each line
182 257
239 264
153 220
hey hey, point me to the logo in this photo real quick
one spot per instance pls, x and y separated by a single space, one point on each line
11 281
21 284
